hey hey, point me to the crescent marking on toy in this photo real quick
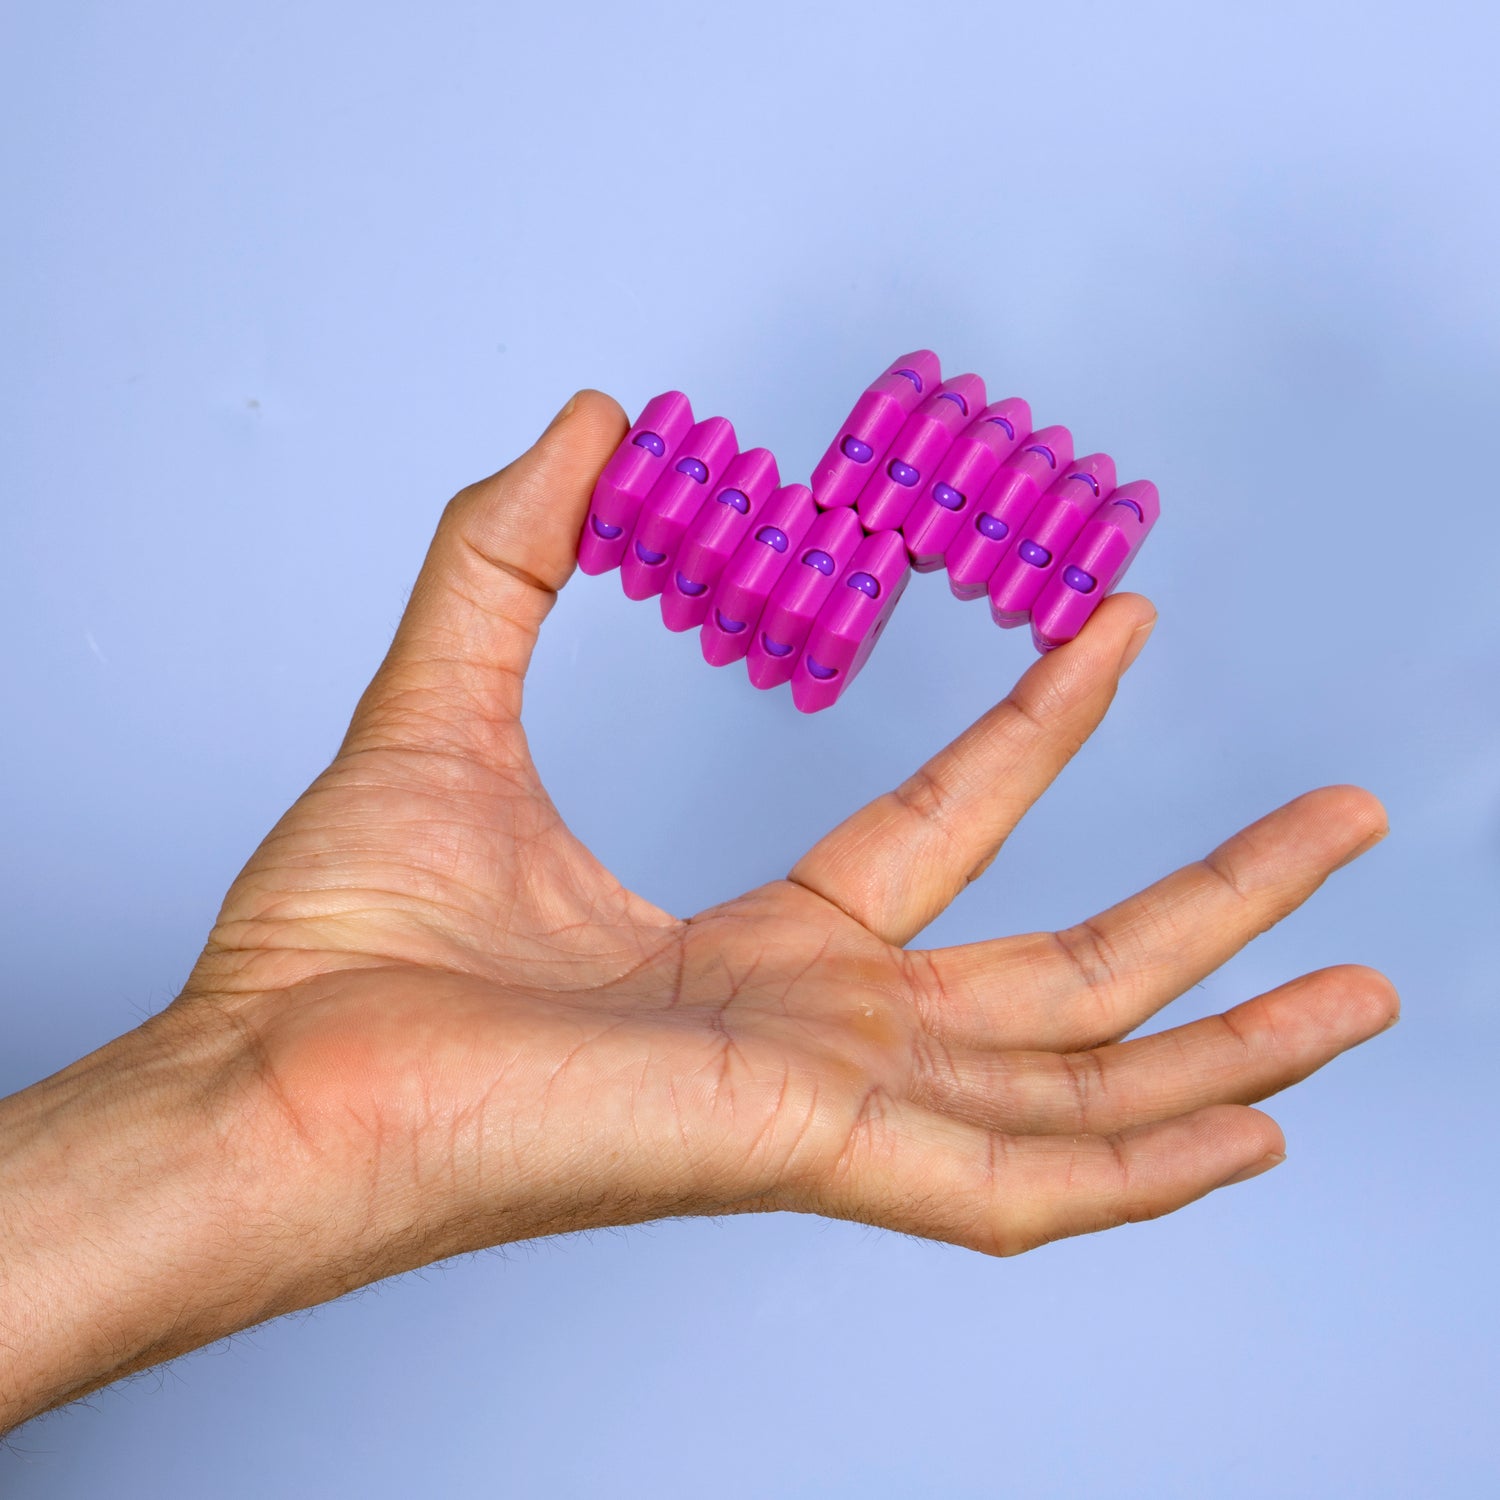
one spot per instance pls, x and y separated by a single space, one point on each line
966 468
752 573
1045 537
925 438
866 434
709 542
1002 507
799 594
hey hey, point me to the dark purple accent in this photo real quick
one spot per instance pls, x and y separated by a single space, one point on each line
948 497
651 559
1076 578
820 560
912 376
992 527
1046 453
691 589
650 441
1031 552
860 452
604 529
902 473
774 647
772 538
957 400
1088 479
735 500
1136 508
1010 431
865 583
694 468
730 627
818 670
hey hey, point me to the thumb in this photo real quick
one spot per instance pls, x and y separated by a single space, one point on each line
504 546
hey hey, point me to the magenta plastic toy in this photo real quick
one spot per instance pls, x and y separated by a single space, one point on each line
1046 534
863 441
800 581
800 593
851 622
920 446
1002 507
645 455
673 502
967 467
710 540
753 571
1095 563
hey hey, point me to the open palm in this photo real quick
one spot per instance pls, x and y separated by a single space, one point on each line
458 1028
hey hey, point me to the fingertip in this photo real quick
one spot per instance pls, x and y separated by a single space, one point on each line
527 516
1095 657
1359 814
1251 1141
593 413
1231 1137
1356 805
1366 996
1120 616
1143 611
1114 633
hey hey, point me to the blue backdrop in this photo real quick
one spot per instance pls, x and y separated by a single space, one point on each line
279 278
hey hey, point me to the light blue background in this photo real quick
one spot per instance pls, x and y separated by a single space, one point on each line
279 278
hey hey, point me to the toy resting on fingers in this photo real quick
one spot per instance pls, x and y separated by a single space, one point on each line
799 581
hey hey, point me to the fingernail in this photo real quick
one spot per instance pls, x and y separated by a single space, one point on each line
1269 1160
1133 646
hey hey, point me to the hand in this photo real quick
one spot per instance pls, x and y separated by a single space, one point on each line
428 1020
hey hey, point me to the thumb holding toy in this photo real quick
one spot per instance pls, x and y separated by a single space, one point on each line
503 548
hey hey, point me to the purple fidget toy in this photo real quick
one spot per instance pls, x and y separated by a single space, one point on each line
798 581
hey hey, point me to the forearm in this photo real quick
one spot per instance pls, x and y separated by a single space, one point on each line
132 1227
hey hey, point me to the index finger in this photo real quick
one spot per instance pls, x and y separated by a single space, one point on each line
898 861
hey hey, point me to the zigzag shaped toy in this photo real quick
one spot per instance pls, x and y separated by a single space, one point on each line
799 580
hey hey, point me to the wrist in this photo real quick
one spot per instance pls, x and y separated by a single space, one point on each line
136 1221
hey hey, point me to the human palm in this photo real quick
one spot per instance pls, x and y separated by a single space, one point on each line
457 1028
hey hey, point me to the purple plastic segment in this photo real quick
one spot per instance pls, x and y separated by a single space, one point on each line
822 557
851 621
749 576
1047 534
633 469
745 485
1001 507
673 504
1103 550
860 445
925 438
977 452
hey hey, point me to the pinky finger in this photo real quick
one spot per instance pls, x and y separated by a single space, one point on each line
911 1169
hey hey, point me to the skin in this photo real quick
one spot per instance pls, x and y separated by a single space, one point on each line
428 1020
